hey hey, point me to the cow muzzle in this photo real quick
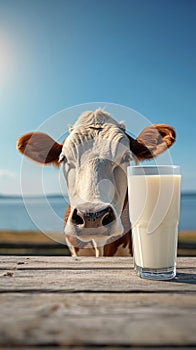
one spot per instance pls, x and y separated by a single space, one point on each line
87 217
96 221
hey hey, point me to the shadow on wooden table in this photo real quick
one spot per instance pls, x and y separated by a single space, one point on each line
183 277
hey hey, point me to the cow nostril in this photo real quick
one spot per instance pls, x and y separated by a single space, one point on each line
108 218
86 219
76 218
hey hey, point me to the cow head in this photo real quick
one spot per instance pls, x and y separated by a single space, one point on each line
95 157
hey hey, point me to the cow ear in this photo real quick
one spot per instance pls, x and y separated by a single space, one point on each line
39 147
152 141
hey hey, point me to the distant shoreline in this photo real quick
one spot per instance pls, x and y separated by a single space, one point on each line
37 243
2 231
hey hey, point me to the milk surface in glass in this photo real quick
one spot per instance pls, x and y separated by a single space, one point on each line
154 204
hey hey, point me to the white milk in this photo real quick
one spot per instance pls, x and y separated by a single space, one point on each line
154 203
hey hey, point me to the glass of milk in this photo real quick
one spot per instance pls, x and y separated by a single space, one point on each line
154 206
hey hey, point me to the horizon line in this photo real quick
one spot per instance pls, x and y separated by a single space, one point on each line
8 196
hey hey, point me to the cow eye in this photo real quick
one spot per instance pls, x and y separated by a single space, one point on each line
126 158
62 158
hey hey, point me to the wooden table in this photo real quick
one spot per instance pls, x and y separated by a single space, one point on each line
94 303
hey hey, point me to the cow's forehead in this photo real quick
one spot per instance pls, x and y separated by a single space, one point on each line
95 118
98 139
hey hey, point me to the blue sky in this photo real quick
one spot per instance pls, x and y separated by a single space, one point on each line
57 54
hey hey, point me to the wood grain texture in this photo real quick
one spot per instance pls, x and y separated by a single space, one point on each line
89 302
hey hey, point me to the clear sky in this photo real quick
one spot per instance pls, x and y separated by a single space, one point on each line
57 54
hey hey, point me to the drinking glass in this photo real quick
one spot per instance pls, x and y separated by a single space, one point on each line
154 206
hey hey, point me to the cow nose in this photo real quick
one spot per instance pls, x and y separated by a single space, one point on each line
90 218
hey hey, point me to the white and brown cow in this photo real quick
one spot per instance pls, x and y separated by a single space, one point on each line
95 157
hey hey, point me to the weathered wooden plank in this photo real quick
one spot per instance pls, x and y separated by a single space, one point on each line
52 262
90 274
105 303
97 319
40 262
94 280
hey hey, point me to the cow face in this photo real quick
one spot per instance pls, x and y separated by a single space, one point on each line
95 157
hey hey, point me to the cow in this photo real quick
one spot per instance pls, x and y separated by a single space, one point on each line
95 156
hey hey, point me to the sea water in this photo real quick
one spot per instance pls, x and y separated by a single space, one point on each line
14 214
